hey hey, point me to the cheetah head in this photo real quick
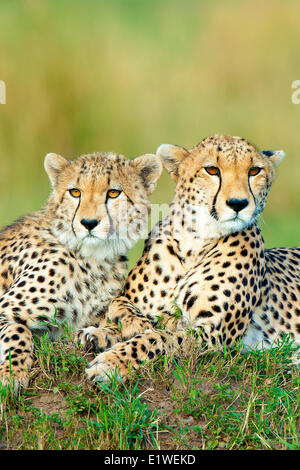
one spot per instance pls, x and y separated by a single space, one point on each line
223 182
99 203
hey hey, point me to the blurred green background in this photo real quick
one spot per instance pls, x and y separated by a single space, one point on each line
128 75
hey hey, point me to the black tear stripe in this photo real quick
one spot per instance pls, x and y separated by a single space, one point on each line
251 190
213 212
75 215
130 200
61 199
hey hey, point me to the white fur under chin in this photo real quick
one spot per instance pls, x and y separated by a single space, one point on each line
232 226
95 247
106 249
207 227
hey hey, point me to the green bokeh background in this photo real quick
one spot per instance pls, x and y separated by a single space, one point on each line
128 75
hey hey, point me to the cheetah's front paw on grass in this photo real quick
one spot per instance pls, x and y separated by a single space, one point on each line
15 379
98 339
104 366
127 356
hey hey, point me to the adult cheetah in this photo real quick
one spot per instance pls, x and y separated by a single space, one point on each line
66 262
206 258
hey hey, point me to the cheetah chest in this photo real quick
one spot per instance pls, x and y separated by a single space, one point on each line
84 293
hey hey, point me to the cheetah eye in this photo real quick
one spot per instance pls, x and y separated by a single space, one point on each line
74 192
254 171
212 170
113 193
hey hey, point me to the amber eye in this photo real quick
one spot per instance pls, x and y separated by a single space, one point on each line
254 171
113 193
74 192
212 170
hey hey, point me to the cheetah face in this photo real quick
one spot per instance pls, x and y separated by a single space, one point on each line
223 182
100 199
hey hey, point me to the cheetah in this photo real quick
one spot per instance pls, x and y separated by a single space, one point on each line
206 260
67 261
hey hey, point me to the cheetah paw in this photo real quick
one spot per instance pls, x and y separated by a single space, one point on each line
96 339
104 367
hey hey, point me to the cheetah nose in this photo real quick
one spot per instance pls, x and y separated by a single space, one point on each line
237 204
89 224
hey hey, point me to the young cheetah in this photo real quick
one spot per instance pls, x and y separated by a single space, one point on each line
207 259
66 262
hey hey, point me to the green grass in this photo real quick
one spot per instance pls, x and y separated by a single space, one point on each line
218 400
61 411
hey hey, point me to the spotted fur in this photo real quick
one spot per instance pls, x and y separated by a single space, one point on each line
207 259
66 262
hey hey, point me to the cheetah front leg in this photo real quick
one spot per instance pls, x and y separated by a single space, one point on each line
140 341
16 347
132 354
129 318
124 321
22 311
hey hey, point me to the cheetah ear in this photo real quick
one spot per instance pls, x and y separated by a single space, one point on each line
172 156
149 168
54 164
275 156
